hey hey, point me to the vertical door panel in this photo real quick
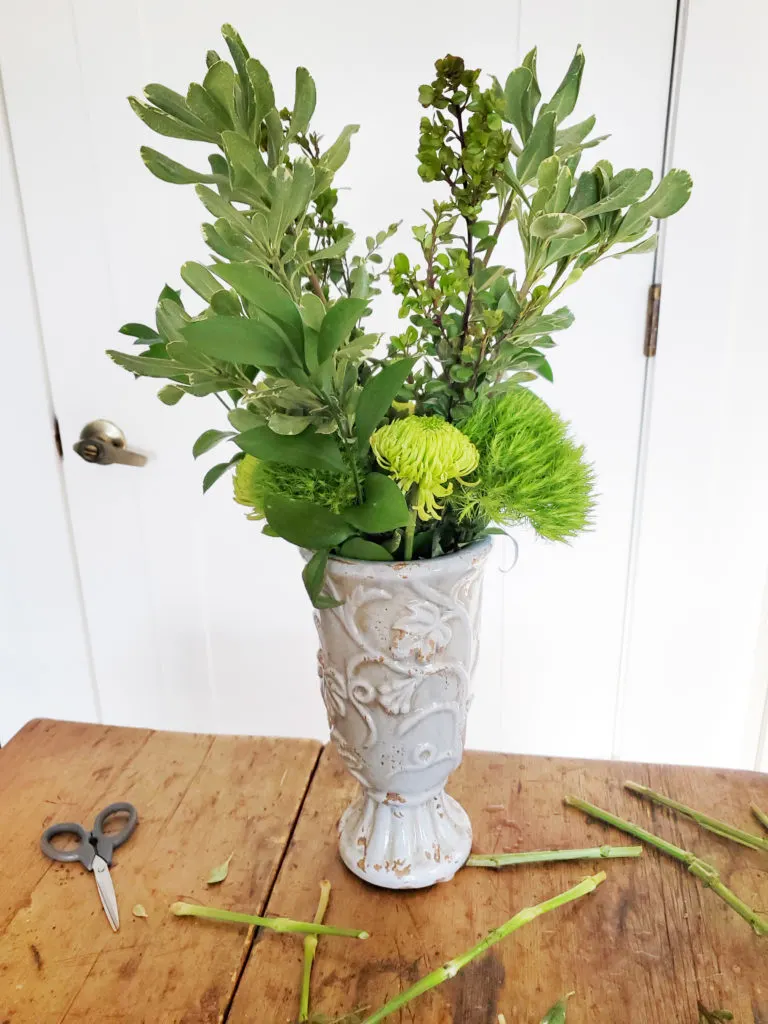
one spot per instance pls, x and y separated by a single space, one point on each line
564 604
44 666
696 685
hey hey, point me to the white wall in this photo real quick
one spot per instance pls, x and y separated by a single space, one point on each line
197 621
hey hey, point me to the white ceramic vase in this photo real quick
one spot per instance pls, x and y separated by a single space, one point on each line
396 662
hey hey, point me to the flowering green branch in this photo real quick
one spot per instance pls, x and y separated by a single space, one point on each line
720 828
706 873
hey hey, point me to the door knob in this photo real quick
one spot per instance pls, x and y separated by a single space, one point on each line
104 443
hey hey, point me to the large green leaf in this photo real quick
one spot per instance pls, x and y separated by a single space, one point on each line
377 396
540 145
237 340
169 170
557 225
533 94
263 93
647 245
633 186
219 207
173 103
267 295
219 82
337 325
200 280
313 575
304 523
308 450
515 89
165 124
559 320
147 366
670 195
567 138
214 473
336 154
208 109
244 419
300 192
303 104
240 56
246 159
364 550
383 509
586 193
566 94
332 251
209 439
140 331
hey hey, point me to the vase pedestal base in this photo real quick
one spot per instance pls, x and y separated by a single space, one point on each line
398 842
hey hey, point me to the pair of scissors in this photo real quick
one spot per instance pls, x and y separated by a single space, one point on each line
94 850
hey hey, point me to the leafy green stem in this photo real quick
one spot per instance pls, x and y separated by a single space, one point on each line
720 828
706 873
452 967
410 529
501 860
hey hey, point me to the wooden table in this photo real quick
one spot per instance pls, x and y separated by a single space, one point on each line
643 948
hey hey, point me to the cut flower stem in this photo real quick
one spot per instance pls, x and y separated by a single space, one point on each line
310 948
761 816
275 924
720 828
501 860
706 873
452 967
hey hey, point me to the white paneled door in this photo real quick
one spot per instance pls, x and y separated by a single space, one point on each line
195 620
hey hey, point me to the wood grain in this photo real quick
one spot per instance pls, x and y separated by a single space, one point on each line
644 947
199 799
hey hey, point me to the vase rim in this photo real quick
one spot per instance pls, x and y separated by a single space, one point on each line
476 548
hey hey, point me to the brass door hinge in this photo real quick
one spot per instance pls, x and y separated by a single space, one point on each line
652 320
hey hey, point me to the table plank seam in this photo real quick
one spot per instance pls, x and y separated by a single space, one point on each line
268 894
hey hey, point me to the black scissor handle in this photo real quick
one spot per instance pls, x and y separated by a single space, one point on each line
84 851
107 842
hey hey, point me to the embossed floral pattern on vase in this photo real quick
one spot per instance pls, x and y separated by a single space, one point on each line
395 663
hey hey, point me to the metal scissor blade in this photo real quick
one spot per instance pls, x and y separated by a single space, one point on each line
106 891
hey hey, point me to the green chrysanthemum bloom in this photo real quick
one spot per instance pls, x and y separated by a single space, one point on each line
425 452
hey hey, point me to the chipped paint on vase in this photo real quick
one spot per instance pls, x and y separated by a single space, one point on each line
396 660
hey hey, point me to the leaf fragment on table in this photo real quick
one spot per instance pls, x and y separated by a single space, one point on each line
712 1016
139 911
557 1014
220 872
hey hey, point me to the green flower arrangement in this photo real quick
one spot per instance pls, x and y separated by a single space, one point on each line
413 446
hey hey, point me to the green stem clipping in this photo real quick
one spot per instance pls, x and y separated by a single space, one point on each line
275 924
720 828
502 860
452 967
310 948
705 872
